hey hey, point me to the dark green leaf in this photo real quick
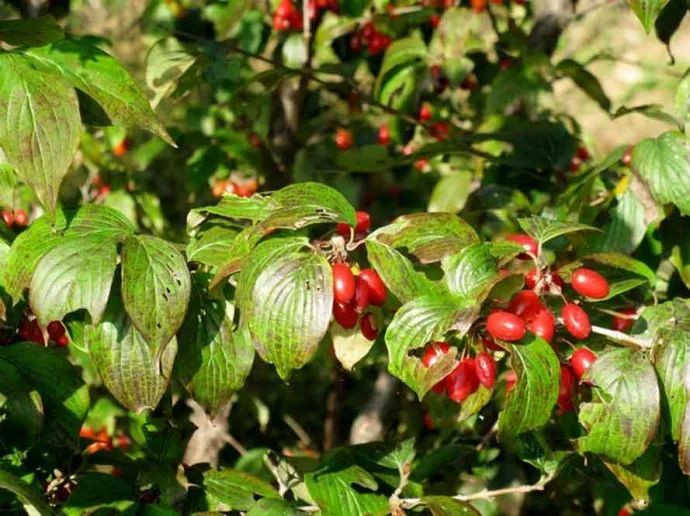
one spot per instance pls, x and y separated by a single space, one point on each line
627 228
653 111
236 490
472 272
585 80
30 498
96 492
365 158
447 506
33 32
622 417
529 404
669 19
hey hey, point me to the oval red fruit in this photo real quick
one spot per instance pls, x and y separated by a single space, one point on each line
528 243
490 343
345 315
542 324
377 289
362 226
425 113
576 321
431 355
384 136
20 218
505 326
624 323
361 299
343 283
581 360
344 139
367 326
485 368
462 381
524 303
531 278
589 283
55 330
566 389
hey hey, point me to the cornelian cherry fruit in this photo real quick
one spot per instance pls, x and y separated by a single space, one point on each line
485 368
361 299
528 243
377 289
432 353
581 360
384 135
576 321
624 323
505 326
511 380
344 139
367 326
345 315
524 302
462 381
362 226
542 324
589 283
566 389
343 283
425 113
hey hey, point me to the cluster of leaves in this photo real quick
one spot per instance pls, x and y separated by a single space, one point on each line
154 324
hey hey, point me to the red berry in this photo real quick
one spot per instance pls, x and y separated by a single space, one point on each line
121 148
505 326
462 381
344 139
345 315
30 331
566 389
524 303
531 278
581 360
368 30
280 24
542 324
8 217
421 164
624 512
343 283
55 330
434 19
363 225
528 243
624 323
485 368
428 421
355 43
589 283
20 218
377 289
284 9
469 83
440 130
361 299
367 326
62 341
432 353
511 380
490 343
576 321
425 113
384 136
582 153
574 164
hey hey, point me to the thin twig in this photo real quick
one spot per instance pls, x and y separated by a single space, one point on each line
620 337
235 444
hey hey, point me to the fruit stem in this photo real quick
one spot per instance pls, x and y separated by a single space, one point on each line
619 337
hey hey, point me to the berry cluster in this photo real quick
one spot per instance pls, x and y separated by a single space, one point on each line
15 218
29 330
242 187
370 37
353 294
287 17
102 441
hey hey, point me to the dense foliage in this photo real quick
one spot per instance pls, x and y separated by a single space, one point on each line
340 257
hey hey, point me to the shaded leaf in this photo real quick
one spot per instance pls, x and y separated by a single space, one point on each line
641 475
585 80
29 497
236 490
97 492
447 506
33 32
167 61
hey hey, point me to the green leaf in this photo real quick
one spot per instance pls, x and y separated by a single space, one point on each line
401 54
99 221
294 50
254 208
398 273
211 245
126 364
100 492
30 498
627 228
273 507
290 309
364 158
641 475
663 163
543 229
651 111
65 396
422 320
104 79
647 11
77 273
428 236
215 360
448 506
33 32
472 272
682 100
585 80
302 204
155 288
167 61
236 490
529 404
451 192
349 345
623 416
40 127
27 250
23 408
669 20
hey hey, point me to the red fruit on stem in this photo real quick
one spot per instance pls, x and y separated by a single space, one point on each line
576 321
505 326
362 226
528 243
566 389
367 326
524 302
425 113
344 139
343 283
589 283
62 342
345 315
574 164
377 289
384 135
485 368
542 324
8 217
462 381
581 360
490 343
20 218
432 353
624 323
368 30
469 83
531 278
30 331
121 148
361 299
55 330
421 164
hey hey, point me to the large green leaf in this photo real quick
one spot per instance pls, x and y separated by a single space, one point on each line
422 320
23 408
472 272
236 490
77 273
401 54
211 244
155 288
97 493
622 417
40 125
100 221
30 498
641 475
302 204
34 31
290 309
530 403
663 163
647 11
428 236
627 227
65 396
672 363
104 79
543 229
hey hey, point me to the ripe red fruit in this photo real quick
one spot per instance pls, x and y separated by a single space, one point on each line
624 323
462 381
485 368
121 148
384 136
345 315
490 343
377 289
576 321
425 113
56 330
505 326
566 389
30 331
428 421
589 283
527 242
524 303
542 324
434 19
582 153
343 283
581 360
367 326
511 380
344 139
361 299
8 217
20 218
363 225
469 83
368 31
432 353
440 130
531 278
